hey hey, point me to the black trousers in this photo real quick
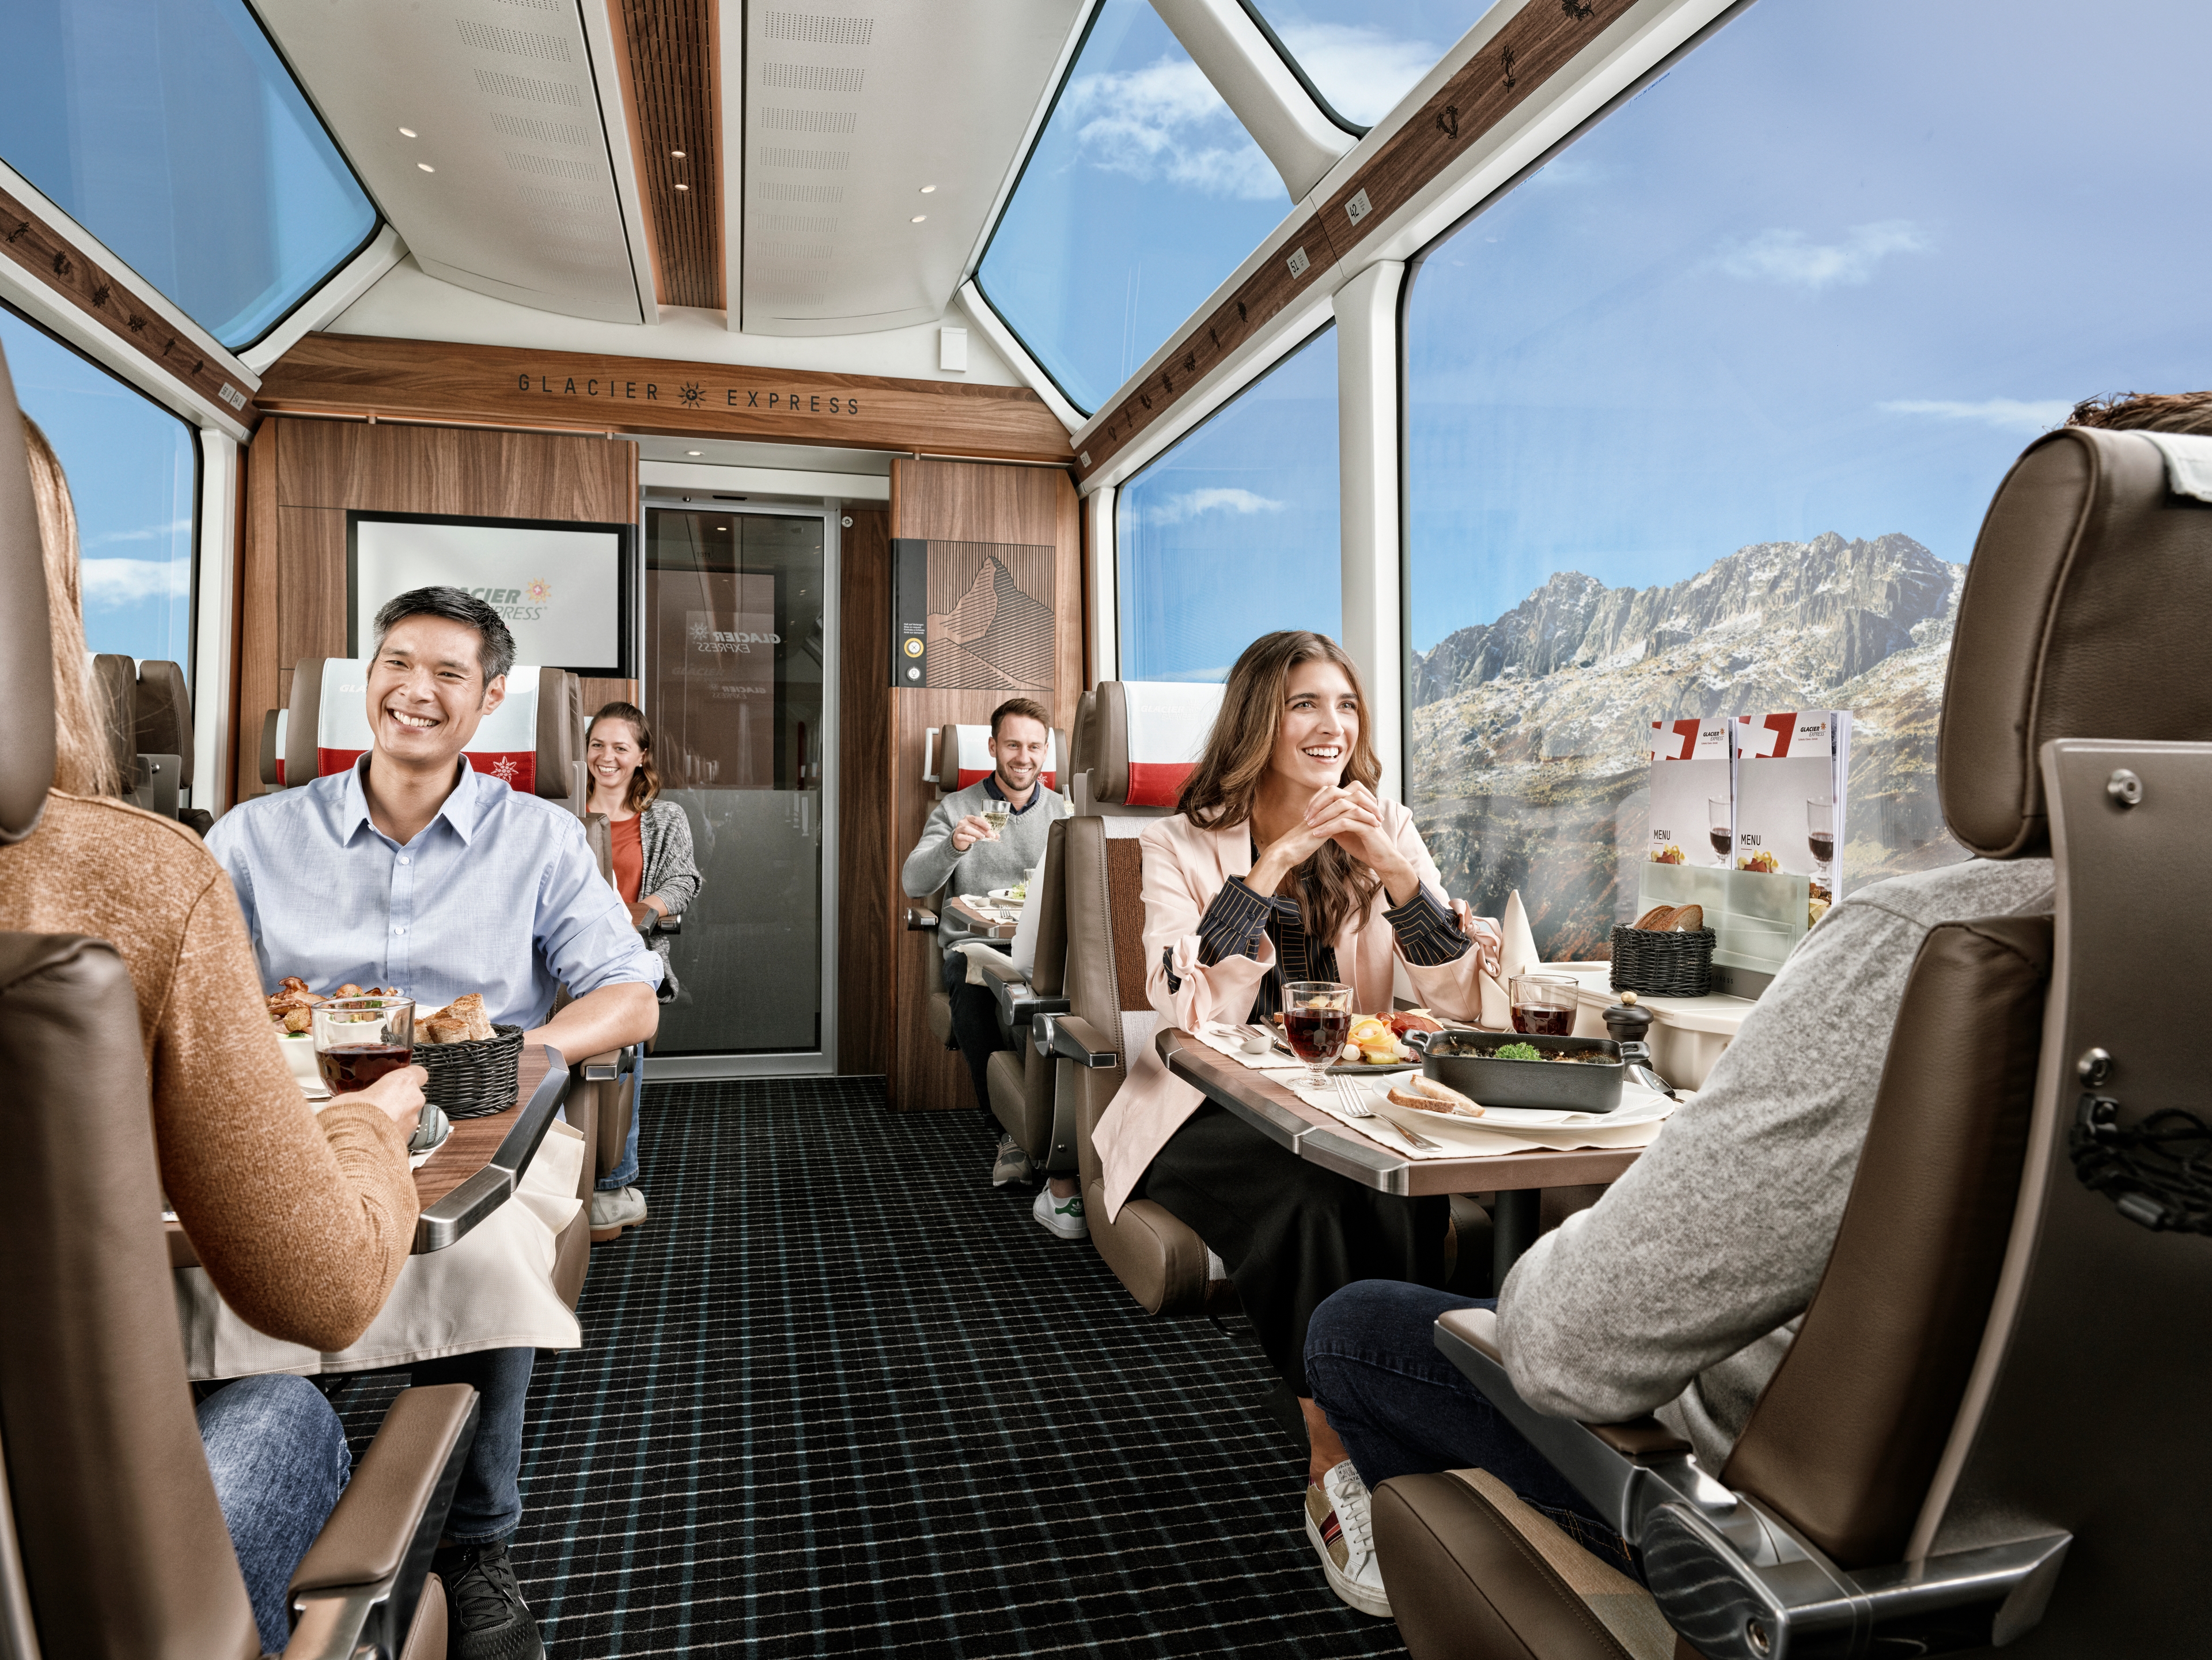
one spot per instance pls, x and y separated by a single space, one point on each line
976 1030
1289 1231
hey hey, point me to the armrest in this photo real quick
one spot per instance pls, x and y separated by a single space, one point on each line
360 1581
450 1217
605 1067
920 918
1736 1581
1071 1037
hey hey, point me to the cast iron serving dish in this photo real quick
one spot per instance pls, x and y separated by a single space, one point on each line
1466 1061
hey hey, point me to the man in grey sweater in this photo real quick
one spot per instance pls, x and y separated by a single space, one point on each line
991 835
1680 1289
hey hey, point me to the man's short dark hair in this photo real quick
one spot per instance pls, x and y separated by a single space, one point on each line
2146 412
1027 707
495 644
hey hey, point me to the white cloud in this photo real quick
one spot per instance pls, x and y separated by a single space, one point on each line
2021 415
146 533
1191 503
128 582
1790 256
1363 72
1166 122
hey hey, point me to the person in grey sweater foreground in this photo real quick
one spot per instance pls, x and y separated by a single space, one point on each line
1680 1289
961 852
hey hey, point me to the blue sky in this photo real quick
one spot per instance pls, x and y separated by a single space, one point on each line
132 472
1810 281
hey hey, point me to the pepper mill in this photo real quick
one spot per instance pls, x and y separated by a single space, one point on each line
1629 1024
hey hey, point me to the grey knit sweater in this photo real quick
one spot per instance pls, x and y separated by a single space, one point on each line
934 863
1680 1289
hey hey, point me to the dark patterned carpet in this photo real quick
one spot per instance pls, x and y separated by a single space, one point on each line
838 1396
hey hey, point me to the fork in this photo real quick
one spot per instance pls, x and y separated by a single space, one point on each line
1352 1098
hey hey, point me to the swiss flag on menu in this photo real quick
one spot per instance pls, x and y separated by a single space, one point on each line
1770 740
1674 740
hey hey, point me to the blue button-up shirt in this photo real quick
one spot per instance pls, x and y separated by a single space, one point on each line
498 894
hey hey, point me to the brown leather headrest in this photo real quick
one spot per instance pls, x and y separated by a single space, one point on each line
2083 617
27 646
164 715
560 729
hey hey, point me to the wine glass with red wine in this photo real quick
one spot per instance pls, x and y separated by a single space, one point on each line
1543 1005
1721 821
1821 838
1316 1022
359 1039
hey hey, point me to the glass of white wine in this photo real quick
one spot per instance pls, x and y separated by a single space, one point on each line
994 815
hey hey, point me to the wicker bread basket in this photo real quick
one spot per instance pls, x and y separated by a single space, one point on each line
473 1080
1654 963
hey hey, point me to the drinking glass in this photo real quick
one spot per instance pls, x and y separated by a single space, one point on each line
1723 828
994 815
1543 1005
359 1039
1820 838
1317 1022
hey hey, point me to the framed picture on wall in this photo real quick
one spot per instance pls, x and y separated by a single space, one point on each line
564 588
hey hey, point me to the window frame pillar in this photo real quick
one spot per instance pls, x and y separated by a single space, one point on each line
1373 543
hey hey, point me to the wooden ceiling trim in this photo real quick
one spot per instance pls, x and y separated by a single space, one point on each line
54 261
671 60
361 376
1534 45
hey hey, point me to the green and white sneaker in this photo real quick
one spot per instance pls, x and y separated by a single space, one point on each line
1338 1522
1063 1216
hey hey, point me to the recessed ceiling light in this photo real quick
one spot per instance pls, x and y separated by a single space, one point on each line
694 452
684 187
406 133
917 219
928 189
722 527
678 154
425 167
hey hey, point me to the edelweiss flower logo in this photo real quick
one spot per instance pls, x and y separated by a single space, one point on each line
540 591
505 770
689 394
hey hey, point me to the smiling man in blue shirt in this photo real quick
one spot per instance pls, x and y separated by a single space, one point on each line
412 869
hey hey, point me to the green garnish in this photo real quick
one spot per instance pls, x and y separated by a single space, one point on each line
1517 1052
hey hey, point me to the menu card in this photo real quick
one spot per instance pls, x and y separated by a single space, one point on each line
1791 768
1692 793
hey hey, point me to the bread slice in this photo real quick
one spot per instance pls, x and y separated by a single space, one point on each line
1657 920
1424 1094
441 1028
1688 920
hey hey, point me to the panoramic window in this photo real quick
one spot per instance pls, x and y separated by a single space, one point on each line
1358 58
170 130
1703 417
1234 531
133 472
1142 194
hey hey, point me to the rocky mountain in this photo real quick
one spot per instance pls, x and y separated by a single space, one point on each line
1529 732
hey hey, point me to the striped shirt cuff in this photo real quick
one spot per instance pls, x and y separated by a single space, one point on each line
1233 925
1428 937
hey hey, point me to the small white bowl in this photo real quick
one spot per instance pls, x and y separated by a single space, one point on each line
299 1048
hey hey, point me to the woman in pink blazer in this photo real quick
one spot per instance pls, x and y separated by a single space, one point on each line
1281 865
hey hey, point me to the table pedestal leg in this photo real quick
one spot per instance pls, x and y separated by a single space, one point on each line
1514 1221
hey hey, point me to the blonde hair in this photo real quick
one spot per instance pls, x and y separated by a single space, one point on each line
84 764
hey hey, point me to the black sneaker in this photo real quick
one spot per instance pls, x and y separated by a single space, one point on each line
486 1615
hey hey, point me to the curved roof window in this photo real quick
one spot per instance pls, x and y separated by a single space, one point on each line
1358 58
1142 193
171 131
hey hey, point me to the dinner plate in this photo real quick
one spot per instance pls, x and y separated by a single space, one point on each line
1005 896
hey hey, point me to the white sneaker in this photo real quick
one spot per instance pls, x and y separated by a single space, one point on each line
1063 1216
1340 1522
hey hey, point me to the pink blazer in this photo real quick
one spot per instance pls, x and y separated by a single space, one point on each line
1184 867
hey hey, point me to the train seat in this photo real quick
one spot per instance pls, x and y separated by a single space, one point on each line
1945 1420
1139 740
111 1540
150 730
1026 1084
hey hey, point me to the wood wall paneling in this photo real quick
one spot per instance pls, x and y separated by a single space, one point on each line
263 677
669 62
57 263
867 856
508 386
1534 45
964 501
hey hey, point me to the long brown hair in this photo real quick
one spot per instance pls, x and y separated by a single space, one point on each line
645 782
1333 886
83 762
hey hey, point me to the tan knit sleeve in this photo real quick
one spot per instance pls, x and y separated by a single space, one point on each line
302 1222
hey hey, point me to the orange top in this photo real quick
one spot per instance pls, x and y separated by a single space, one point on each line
629 858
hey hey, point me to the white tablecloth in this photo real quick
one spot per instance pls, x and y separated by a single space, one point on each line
491 1290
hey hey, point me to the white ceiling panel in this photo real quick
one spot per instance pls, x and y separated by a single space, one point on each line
505 186
850 113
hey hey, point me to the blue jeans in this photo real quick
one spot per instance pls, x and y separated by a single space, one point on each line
279 1455
626 1172
488 1503
1402 1409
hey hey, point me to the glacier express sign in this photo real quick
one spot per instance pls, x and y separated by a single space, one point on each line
691 394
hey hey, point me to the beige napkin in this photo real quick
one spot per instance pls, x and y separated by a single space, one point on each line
1517 956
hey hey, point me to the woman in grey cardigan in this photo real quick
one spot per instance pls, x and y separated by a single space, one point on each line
655 875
